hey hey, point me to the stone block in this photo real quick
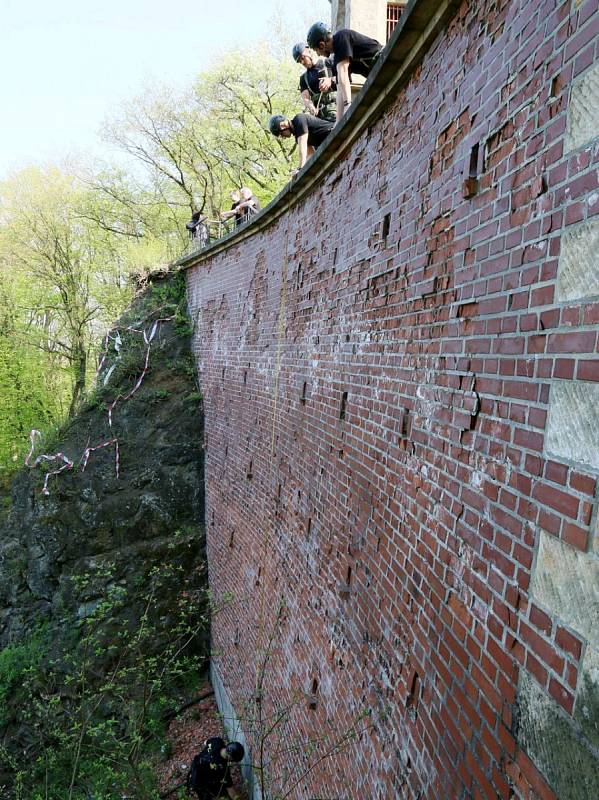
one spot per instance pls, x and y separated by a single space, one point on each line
573 424
565 758
583 111
566 581
578 269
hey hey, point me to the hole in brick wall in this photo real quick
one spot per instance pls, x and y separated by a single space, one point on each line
414 694
303 397
212 518
223 373
312 701
279 491
245 376
258 576
470 185
343 407
473 166
556 86
348 577
250 471
232 539
226 450
309 526
386 226
405 424
236 638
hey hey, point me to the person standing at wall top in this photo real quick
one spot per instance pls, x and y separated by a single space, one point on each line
245 204
353 53
310 132
318 83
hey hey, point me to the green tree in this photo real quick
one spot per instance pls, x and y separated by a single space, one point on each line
197 146
72 269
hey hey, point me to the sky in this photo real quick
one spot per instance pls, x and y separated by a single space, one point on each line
67 65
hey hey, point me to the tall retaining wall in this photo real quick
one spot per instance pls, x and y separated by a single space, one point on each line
401 386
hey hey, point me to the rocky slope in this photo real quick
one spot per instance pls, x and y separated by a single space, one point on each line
69 541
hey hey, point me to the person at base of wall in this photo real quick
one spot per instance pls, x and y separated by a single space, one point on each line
353 53
210 773
310 132
318 84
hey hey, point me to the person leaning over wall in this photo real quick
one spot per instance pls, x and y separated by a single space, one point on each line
318 83
353 53
236 200
245 204
250 204
310 132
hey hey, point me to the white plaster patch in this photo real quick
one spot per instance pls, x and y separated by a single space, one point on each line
578 268
573 425
583 112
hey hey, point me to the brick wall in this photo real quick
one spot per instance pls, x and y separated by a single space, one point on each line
401 388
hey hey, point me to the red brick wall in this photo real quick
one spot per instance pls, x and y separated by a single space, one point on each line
376 368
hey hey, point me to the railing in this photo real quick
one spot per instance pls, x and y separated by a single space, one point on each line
211 230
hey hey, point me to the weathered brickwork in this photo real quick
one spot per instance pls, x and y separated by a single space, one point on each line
398 515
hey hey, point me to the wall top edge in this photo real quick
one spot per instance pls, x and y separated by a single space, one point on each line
419 24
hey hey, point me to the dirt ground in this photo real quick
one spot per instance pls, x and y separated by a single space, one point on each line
186 735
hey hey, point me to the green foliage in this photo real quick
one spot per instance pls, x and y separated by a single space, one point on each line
95 707
16 663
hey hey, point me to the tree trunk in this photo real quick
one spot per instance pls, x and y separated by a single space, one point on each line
79 365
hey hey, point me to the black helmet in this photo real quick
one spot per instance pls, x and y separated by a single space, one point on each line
298 49
274 124
235 751
319 32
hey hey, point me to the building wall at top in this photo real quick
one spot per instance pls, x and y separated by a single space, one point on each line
401 384
367 16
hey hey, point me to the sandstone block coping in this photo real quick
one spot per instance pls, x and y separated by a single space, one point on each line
419 24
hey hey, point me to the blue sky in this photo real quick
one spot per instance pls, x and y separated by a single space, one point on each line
66 65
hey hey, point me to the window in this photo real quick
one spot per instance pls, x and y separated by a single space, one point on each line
394 11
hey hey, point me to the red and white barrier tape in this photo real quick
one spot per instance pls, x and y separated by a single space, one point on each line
68 464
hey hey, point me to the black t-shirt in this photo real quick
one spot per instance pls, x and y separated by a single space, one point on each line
361 50
309 80
316 128
214 773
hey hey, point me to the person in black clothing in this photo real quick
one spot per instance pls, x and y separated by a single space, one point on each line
318 83
353 53
210 773
198 230
310 132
